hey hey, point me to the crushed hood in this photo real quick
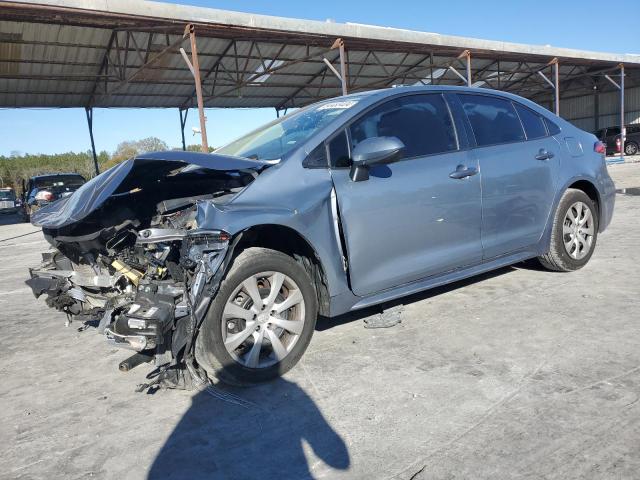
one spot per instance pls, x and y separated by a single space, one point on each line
120 179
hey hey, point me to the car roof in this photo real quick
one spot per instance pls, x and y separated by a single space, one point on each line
399 89
44 175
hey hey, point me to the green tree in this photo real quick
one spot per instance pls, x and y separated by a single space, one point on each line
129 149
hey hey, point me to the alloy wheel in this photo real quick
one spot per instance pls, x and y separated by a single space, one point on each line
578 230
262 319
631 149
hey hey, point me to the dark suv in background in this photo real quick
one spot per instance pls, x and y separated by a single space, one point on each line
41 190
610 136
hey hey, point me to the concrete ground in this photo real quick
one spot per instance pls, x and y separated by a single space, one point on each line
520 373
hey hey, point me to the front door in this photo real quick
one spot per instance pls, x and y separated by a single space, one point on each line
410 219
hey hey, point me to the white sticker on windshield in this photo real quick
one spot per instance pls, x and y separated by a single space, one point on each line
338 105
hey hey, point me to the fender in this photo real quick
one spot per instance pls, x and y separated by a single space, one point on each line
545 239
312 214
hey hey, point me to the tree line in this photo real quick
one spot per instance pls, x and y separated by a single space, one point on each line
17 167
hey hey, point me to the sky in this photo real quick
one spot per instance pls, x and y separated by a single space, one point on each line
581 24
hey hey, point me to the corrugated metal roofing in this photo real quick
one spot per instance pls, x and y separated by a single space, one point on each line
79 53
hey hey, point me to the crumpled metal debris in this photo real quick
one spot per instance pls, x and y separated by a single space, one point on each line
388 318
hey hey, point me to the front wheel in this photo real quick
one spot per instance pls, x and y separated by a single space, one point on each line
261 321
574 233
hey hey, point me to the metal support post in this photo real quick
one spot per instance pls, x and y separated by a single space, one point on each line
342 74
89 112
467 56
556 81
183 122
620 87
194 66
623 132
596 107
343 68
555 84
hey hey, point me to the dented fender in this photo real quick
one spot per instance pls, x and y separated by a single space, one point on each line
310 215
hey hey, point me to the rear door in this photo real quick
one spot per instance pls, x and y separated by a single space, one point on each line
410 219
518 172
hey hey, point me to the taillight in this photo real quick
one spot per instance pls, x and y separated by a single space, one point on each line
600 148
44 195
618 145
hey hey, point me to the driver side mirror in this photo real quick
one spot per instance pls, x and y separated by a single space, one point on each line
374 151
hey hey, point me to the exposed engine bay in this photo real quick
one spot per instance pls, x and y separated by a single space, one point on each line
128 252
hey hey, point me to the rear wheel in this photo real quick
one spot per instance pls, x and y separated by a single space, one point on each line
574 234
261 321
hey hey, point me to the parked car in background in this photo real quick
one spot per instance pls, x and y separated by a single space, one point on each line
220 264
610 136
8 201
41 190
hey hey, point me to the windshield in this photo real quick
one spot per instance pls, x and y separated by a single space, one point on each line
278 138
7 195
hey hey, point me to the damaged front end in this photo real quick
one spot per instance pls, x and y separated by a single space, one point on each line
129 254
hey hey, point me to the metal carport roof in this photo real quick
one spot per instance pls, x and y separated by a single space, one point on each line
117 53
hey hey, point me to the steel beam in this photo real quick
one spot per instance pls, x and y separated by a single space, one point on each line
183 122
332 68
89 112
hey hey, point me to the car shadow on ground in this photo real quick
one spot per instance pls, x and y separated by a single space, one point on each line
325 323
260 432
252 433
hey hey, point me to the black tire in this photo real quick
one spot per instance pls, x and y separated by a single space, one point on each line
631 148
558 259
211 353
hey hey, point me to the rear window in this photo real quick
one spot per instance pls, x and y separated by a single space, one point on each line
532 122
493 120
7 195
58 181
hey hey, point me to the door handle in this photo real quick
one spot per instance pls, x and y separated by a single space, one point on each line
544 155
462 171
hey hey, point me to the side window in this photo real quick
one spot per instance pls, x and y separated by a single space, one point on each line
339 151
552 127
421 122
493 120
532 122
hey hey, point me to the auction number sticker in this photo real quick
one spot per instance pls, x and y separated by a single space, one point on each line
338 105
